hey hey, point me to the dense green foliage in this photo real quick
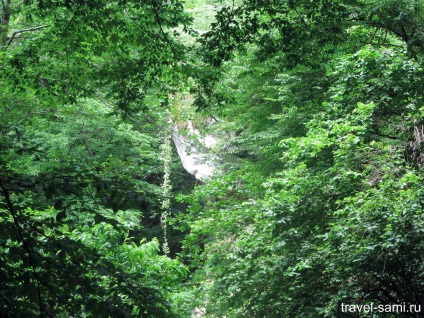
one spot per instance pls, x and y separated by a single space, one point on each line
318 195
80 172
323 102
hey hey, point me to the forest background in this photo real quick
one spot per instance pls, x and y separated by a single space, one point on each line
319 104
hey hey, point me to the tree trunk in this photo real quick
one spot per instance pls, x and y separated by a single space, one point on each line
4 21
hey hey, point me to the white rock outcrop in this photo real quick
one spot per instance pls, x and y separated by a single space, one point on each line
195 156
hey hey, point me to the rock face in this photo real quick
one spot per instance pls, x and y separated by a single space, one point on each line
195 156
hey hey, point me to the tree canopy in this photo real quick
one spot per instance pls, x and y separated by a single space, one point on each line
79 163
323 101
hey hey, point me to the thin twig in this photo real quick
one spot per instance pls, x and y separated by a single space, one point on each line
300 17
160 26
69 23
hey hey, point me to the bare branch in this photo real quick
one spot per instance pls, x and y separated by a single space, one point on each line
25 30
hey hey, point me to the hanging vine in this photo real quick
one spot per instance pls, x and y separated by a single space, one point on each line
166 189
